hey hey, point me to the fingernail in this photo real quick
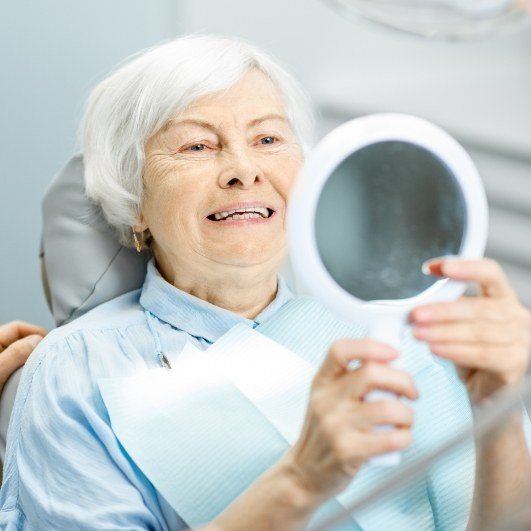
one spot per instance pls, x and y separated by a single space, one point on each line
390 351
421 333
393 354
437 348
432 267
426 267
437 266
35 340
422 314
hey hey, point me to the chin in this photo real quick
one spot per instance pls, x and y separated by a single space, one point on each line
251 255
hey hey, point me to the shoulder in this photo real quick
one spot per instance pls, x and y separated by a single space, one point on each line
104 322
118 313
59 382
76 355
60 430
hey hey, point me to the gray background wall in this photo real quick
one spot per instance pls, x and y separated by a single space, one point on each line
52 53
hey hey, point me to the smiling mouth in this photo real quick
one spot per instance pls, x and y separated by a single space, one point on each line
242 213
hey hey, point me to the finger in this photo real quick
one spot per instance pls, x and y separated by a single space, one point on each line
16 355
15 330
372 376
470 356
464 309
344 351
470 332
370 444
486 272
391 412
389 441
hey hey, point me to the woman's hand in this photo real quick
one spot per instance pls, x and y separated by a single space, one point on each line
488 337
339 433
17 342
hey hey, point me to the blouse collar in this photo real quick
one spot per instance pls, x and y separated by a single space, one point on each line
195 316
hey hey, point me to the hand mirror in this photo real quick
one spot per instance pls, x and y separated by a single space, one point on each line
378 197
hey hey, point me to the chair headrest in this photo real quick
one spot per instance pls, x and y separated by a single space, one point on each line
84 263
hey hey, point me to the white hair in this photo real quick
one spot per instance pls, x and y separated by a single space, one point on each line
139 98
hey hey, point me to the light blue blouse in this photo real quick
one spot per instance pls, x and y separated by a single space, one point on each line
64 468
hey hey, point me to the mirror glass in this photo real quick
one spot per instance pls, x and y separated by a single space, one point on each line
384 211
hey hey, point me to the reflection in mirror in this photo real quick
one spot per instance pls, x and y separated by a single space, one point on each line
384 211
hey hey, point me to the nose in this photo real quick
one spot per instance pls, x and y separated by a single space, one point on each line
241 171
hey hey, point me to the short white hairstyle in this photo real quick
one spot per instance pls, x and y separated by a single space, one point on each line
139 98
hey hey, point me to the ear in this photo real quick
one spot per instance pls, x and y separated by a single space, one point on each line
141 226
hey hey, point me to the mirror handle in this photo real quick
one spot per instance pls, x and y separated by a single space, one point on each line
387 329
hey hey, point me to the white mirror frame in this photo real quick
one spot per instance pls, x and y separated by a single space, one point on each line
319 166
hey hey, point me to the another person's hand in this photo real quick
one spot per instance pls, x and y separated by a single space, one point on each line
17 342
488 337
339 432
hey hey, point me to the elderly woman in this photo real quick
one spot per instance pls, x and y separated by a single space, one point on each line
191 149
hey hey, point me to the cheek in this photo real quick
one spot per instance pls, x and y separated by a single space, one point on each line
285 172
174 187
171 208
161 214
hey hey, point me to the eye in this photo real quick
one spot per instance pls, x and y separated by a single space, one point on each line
268 140
197 147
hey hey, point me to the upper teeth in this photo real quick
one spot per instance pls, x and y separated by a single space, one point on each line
245 213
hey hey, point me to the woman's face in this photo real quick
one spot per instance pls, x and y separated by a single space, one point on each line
218 176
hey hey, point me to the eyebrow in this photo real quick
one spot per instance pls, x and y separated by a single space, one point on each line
213 127
272 116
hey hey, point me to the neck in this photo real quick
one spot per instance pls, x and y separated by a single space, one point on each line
245 291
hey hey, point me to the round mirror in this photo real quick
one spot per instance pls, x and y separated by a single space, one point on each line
402 206
378 197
